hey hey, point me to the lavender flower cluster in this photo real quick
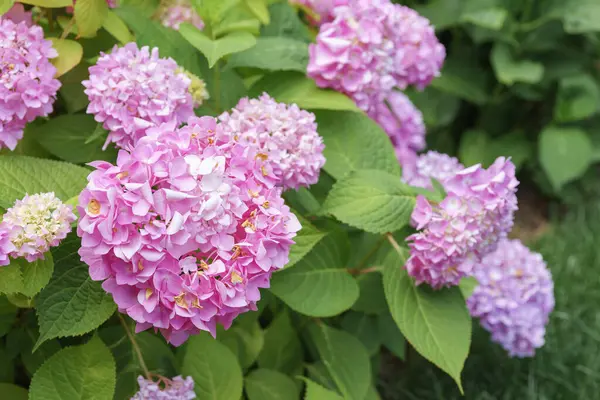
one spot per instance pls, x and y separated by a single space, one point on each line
174 389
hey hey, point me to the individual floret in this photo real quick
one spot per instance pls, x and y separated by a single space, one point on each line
430 165
171 389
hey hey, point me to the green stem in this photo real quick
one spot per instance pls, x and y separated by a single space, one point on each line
135 346
393 242
217 87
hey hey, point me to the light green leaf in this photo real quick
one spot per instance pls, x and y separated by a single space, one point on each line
8 313
83 372
216 372
565 154
11 279
260 10
22 175
69 137
489 14
213 11
238 19
69 55
578 16
6 5
355 142
265 384
214 50
89 16
345 358
285 23
13 392
273 54
306 239
117 28
436 323
364 328
371 200
509 70
282 350
318 285
467 286
26 278
314 391
390 335
294 87
578 98
372 299
48 3
71 304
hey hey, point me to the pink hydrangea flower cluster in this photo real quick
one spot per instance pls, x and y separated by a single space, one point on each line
284 136
401 120
6 247
176 12
323 10
33 225
430 165
175 389
27 85
514 297
132 89
18 14
185 229
454 234
373 46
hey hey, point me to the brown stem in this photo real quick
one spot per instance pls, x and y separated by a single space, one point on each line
393 242
358 271
135 346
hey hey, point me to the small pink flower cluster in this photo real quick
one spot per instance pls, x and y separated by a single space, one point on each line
427 166
33 225
176 12
175 389
514 297
373 46
131 90
454 234
27 85
185 229
284 135
323 9
18 14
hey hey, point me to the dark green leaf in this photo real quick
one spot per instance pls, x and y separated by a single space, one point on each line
273 54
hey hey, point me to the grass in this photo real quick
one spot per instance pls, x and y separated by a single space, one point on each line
567 367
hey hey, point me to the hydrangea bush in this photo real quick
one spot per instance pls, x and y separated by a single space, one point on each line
203 199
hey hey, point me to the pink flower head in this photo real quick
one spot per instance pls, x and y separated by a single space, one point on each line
514 298
323 10
175 389
27 85
284 136
18 14
175 12
431 165
454 234
373 46
131 90
33 225
185 228
6 247
401 120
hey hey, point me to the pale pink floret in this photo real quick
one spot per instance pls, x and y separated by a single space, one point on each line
284 135
454 234
35 224
430 165
131 90
165 389
179 11
185 229
27 85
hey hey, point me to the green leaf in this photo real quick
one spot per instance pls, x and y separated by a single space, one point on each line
69 55
213 11
364 328
371 200
282 350
8 314
273 54
390 335
477 146
22 175
509 70
13 392
216 372
578 98
238 19
265 384
26 278
484 13
71 91
372 299
260 10
354 142
117 28
69 138
251 339
318 285
436 323
81 372
11 279
71 304
345 358
48 3
285 23
565 154
89 16
314 391
438 108
579 16
214 50
306 239
6 5
464 79
442 14
294 87
467 286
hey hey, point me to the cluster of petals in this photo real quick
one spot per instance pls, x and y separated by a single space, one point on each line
320 11
455 233
284 136
514 297
371 47
401 120
27 85
34 224
173 389
428 166
132 89
176 12
18 14
185 228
